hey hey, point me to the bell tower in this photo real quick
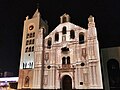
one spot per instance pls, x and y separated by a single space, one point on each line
31 51
95 73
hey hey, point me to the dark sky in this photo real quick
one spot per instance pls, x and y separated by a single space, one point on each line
13 13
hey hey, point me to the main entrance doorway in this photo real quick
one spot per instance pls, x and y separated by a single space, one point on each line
66 83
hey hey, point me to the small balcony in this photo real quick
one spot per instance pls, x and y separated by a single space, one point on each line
66 66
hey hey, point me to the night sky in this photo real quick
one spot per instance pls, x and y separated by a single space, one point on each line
13 13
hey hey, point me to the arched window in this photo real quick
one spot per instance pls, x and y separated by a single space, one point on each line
30 41
81 38
32 48
56 36
31 65
49 43
68 60
63 60
27 35
30 35
29 49
27 42
33 34
26 50
64 30
33 41
72 34
113 72
26 83
24 65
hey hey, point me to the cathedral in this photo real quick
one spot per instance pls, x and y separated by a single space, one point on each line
67 58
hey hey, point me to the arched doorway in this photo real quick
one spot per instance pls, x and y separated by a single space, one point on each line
113 73
66 83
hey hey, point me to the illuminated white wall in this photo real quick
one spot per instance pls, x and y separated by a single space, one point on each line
81 62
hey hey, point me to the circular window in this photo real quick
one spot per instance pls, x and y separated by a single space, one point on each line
49 67
82 64
31 27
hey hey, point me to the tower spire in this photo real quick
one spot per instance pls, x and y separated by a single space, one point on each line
37 2
91 22
37 13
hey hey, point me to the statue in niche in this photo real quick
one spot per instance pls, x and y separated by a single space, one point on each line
27 79
84 53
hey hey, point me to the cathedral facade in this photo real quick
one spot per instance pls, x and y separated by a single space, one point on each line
67 58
